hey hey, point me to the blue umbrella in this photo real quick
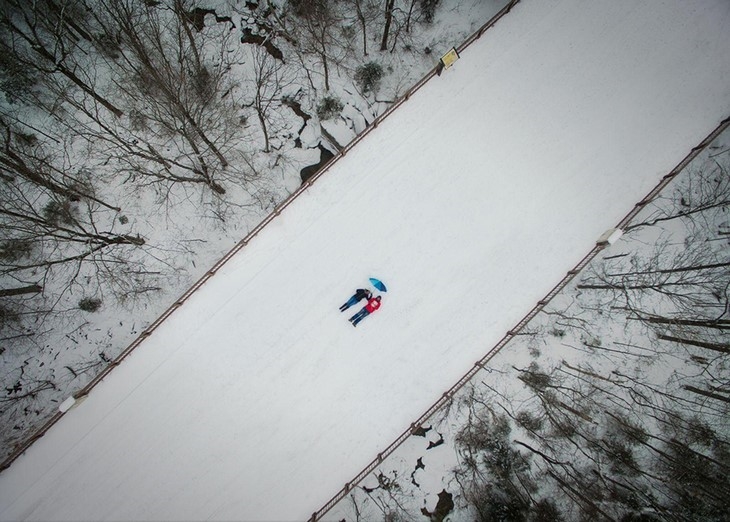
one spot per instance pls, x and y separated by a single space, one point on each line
377 283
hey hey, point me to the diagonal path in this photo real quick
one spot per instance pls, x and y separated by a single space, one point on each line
257 400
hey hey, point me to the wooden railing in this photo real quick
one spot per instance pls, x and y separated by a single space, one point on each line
446 397
237 248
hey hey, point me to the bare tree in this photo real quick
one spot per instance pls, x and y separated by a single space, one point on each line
622 438
316 29
183 120
681 289
398 18
698 202
389 6
43 36
23 156
56 231
367 12
271 78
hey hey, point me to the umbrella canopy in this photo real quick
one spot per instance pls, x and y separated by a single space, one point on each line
377 283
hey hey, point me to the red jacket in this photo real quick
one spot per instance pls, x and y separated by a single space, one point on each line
373 304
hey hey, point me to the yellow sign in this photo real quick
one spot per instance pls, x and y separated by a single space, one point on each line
449 58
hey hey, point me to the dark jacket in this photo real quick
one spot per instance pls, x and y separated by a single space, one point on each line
362 293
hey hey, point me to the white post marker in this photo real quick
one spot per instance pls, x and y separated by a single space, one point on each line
610 236
70 403
67 404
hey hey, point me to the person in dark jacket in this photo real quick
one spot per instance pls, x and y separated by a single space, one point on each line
360 294
372 306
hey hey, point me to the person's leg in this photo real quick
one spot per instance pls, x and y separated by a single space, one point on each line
364 314
357 316
348 304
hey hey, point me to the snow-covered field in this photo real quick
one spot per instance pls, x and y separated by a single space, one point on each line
257 400
470 457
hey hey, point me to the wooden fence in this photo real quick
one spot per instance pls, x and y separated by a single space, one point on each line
20 449
445 399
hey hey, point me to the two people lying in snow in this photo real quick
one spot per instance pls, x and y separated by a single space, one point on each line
372 305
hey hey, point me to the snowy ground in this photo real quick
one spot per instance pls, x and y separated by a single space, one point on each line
185 231
576 338
257 400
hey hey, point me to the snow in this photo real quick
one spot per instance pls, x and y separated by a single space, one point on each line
257 400
564 349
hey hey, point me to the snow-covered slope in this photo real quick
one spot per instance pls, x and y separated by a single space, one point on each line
257 400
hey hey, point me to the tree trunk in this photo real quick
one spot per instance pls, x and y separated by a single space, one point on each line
15 164
707 394
722 348
363 23
408 18
31 289
71 24
389 4
68 73
710 266
714 324
262 119
182 16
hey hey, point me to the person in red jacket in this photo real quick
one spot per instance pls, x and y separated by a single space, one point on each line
372 306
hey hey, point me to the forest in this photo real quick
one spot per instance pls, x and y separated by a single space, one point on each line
142 139
611 404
